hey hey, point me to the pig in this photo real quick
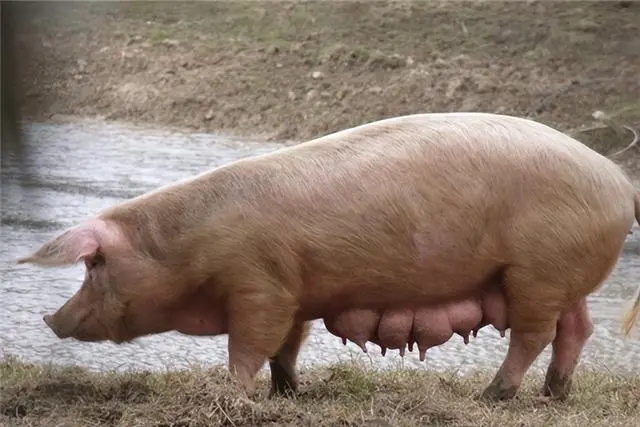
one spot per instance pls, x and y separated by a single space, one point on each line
401 231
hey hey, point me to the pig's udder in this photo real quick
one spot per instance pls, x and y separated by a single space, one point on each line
428 326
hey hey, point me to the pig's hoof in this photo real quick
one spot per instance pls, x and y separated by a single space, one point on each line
283 381
555 386
496 393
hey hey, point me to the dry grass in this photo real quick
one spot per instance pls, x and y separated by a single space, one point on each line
346 394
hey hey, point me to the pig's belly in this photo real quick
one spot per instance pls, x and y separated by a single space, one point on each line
427 327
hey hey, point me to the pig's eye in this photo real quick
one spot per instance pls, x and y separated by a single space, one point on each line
94 261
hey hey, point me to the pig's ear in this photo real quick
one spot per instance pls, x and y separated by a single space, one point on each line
71 246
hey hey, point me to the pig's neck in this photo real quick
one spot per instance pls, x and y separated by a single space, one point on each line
162 223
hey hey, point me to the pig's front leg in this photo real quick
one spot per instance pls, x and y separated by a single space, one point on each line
260 320
284 380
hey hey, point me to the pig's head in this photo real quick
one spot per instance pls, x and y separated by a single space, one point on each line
114 301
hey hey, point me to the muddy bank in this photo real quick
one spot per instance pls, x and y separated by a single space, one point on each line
295 70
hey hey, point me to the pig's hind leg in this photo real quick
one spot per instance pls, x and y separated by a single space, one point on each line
260 320
533 309
284 380
573 331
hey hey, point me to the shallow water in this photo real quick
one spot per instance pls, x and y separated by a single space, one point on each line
86 167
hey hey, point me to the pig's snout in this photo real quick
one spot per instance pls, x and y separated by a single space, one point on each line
48 319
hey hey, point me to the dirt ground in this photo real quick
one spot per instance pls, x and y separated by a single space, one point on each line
296 70
341 395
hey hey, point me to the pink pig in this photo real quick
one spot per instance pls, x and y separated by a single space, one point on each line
400 232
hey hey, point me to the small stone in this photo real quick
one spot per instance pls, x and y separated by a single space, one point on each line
134 39
599 115
587 25
375 89
82 65
410 61
317 75
291 95
312 94
170 42
460 58
440 63
278 65
209 115
454 85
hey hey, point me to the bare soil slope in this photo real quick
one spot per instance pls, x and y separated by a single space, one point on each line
295 70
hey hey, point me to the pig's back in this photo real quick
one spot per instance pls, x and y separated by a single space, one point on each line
418 196
438 157
453 139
